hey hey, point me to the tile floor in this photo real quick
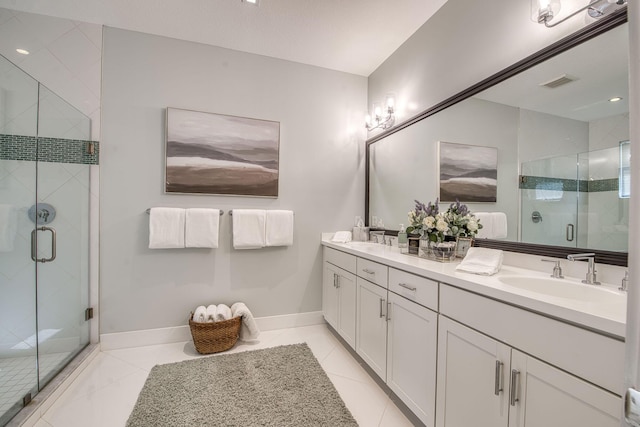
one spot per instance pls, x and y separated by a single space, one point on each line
18 376
105 392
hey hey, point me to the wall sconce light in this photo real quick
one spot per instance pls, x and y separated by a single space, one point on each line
543 11
382 119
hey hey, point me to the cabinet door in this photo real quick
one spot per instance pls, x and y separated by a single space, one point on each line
371 338
549 397
330 295
472 381
411 356
346 284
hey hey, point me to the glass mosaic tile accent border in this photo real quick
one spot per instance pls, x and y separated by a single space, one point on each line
54 150
583 186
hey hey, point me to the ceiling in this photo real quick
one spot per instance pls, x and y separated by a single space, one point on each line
599 67
354 36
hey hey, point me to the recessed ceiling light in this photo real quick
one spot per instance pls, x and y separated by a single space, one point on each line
615 99
22 51
251 2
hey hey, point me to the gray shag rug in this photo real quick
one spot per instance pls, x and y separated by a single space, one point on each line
280 386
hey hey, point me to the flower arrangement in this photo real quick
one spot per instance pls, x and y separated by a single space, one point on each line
456 221
461 221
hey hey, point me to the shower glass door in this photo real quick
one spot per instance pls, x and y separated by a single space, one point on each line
18 320
44 236
62 233
549 196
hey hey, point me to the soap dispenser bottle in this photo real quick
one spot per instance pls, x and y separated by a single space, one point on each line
403 242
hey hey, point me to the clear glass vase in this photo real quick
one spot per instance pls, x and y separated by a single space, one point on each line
424 249
443 251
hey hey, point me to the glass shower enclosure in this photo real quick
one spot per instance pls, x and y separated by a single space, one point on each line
45 157
579 200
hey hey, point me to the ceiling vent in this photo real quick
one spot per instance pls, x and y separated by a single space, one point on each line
558 81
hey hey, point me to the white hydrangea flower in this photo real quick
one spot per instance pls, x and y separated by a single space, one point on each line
441 225
472 225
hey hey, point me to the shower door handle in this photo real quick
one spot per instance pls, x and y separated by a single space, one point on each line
34 238
569 233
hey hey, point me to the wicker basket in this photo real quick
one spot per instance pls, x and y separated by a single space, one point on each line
215 336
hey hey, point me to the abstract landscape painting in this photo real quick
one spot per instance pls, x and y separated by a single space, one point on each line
218 154
468 173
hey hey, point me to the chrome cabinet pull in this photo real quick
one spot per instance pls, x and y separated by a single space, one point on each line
388 311
570 228
34 239
381 308
499 378
337 281
404 285
514 395
366 270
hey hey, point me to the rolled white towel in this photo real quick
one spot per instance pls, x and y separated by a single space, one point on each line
200 315
223 312
210 317
249 330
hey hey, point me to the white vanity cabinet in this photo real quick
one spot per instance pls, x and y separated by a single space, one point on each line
486 383
339 293
411 355
483 381
371 332
397 337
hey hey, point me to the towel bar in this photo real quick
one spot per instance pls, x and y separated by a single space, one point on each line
148 211
231 212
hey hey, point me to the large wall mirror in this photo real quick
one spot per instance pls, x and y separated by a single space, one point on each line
562 142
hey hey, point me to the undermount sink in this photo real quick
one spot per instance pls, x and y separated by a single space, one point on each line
566 289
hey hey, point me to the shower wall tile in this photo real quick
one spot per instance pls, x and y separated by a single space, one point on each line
56 150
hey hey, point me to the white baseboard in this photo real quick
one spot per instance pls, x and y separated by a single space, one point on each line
146 337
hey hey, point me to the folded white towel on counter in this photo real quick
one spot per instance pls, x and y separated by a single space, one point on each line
249 330
279 228
202 228
200 315
481 261
499 225
8 227
342 237
210 316
223 312
166 228
248 228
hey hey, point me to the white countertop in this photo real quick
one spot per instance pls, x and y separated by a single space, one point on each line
608 316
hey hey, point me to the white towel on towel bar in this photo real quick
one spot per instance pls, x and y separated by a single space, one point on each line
166 228
279 228
201 228
486 219
249 330
8 227
249 228
223 312
499 225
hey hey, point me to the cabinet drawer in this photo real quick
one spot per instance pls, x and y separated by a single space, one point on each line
340 259
372 271
415 288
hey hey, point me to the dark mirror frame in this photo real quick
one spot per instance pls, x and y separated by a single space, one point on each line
605 24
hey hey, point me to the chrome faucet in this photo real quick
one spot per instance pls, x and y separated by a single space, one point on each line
557 270
591 266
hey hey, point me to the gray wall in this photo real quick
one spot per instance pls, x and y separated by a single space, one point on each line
463 43
321 177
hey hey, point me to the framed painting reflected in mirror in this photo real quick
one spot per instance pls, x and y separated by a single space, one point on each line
467 173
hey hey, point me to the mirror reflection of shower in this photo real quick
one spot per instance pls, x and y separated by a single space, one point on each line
585 196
